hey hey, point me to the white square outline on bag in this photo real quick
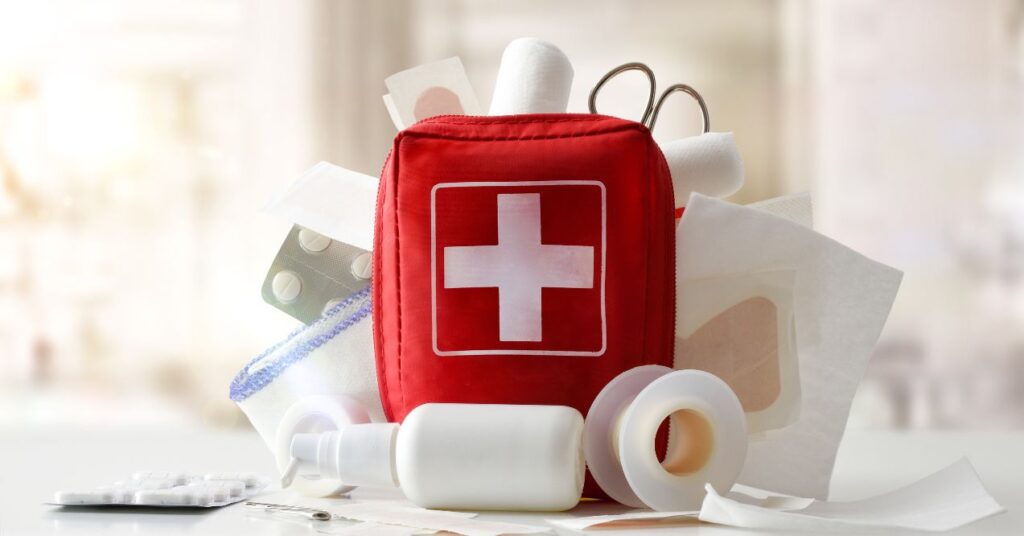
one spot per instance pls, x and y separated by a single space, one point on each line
433 268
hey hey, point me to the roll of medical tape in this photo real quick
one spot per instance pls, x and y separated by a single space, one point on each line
710 437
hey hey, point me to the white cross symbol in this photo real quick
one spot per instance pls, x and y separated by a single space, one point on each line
519 266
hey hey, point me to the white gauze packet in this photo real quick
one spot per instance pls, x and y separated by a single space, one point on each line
841 300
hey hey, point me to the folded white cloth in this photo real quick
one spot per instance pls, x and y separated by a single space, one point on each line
332 356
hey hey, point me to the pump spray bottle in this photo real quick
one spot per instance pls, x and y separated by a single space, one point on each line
457 456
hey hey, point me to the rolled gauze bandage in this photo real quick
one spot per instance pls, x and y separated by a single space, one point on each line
708 431
534 77
708 164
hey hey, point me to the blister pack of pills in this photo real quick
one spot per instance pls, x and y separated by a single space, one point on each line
312 273
170 489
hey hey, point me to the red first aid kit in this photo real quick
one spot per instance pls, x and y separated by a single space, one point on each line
521 259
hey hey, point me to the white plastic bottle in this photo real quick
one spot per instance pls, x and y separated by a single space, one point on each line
459 456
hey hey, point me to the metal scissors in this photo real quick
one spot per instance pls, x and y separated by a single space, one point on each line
653 108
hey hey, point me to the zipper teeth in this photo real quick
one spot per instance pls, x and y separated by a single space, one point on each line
443 118
375 283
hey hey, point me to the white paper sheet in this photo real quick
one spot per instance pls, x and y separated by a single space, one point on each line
945 500
366 529
841 301
797 208
333 201
437 520
389 105
635 519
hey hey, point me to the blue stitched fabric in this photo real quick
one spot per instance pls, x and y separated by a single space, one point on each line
252 378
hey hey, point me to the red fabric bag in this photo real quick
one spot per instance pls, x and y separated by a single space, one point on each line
521 260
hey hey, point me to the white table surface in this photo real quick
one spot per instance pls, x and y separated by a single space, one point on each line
36 462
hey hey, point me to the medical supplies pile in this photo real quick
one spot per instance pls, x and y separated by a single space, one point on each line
509 274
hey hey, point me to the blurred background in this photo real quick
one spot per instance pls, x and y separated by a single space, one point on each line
139 140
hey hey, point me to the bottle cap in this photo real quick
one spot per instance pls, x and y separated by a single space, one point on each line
357 455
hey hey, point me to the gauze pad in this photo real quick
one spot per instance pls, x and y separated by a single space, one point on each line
333 356
840 300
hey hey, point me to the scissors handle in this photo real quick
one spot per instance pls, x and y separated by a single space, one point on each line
631 66
683 88
652 110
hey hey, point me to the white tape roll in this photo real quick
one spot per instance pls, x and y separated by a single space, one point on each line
599 446
709 438
314 414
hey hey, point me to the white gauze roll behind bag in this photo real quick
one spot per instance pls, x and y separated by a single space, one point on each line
534 77
708 164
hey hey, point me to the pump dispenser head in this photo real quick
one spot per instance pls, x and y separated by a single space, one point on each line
358 455
314 414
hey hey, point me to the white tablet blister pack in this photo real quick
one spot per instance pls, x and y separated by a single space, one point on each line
312 273
168 488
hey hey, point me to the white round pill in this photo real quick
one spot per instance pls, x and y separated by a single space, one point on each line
330 305
286 286
313 242
362 266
